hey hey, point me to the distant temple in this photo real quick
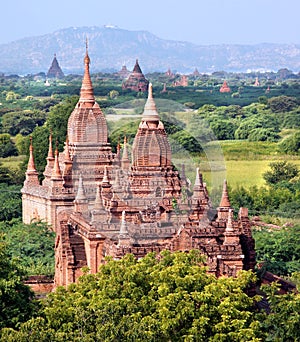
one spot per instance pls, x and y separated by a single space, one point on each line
136 80
183 82
256 83
196 73
169 73
124 72
101 203
225 88
55 70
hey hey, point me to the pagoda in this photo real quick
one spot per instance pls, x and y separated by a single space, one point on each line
101 203
225 88
124 72
55 70
136 80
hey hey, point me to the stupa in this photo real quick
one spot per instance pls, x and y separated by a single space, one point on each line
55 70
136 80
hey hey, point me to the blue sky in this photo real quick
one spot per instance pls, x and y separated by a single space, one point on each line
200 22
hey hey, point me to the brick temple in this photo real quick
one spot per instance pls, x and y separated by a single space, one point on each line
101 203
136 80
55 70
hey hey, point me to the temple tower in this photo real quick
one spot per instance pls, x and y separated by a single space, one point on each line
136 80
152 172
55 70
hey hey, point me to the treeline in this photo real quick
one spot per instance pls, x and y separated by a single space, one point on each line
165 298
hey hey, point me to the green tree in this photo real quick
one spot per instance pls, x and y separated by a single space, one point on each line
10 202
170 298
32 244
282 103
22 122
278 249
7 146
16 303
291 144
280 171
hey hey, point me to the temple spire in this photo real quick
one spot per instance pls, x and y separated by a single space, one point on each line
50 150
31 172
31 165
150 111
125 159
56 173
225 203
80 196
87 91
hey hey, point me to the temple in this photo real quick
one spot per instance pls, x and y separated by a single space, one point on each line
55 70
101 203
225 88
136 80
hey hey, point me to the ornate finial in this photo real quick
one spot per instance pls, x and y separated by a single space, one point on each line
98 200
198 180
229 226
150 111
67 151
123 228
50 150
86 44
125 159
105 175
80 191
31 164
225 198
56 173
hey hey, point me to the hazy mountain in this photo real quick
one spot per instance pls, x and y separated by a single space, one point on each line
111 47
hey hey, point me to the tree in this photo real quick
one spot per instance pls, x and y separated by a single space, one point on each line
165 298
32 244
282 103
16 303
280 171
291 144
7 146
278 250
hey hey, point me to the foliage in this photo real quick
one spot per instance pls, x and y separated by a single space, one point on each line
282 323
280 171
171 298
7 146
183 140
291 144
16 304
32 244
278 249
22 122
10 202
282 103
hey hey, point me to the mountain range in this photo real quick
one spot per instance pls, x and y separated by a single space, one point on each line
111 47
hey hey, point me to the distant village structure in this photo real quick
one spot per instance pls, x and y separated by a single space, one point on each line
136 80
55 70
101 203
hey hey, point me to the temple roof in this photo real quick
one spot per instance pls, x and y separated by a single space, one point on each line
137 68
55 70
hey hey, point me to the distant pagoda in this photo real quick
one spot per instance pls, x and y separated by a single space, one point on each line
136 80
225 88
124 72
55 70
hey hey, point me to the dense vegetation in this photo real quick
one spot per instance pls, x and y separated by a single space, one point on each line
171 298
